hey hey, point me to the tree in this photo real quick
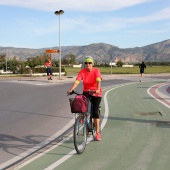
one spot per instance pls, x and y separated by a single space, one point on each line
31 62
119 63
69 59
55 63
36 61
14 64
2 62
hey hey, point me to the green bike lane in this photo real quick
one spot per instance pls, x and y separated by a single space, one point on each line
135 137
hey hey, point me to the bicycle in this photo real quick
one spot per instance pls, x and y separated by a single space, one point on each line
84 125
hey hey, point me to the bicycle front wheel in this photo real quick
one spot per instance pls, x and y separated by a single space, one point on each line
80 134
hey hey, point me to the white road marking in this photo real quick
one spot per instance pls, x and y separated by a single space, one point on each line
28 152
148 91
105 118
57 163
64 158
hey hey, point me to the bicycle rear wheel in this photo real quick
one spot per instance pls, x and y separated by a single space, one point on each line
80 134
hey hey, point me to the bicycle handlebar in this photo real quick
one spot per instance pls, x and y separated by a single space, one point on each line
89 92
74 92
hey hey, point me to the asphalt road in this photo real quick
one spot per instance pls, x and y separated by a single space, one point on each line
29 114
135 132
32 113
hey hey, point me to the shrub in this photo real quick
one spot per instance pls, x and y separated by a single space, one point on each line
42 70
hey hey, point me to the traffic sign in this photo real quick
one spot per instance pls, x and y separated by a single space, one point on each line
52 51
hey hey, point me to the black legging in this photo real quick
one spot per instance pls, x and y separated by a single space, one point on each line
95 102
49 71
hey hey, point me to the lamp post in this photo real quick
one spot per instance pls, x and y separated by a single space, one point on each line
111 58
6 61
59 13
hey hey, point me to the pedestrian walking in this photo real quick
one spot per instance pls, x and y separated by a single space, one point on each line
142 68
48 66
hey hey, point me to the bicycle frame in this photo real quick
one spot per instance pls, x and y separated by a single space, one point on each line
87 121
83 125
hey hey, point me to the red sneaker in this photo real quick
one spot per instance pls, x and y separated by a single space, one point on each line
98 137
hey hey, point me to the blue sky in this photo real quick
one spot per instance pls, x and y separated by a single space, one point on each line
123 23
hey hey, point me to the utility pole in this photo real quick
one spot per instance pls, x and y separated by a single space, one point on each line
6 60
111 62
59 13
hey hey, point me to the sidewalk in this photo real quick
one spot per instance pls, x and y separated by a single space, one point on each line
72 78
40 78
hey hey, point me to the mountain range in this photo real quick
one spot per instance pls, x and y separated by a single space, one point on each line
101 52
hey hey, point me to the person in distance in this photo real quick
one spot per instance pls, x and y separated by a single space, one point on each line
142 68
48 66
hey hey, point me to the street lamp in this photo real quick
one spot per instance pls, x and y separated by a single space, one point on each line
59 13
111 61
6 60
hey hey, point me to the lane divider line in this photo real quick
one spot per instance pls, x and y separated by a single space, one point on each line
55 146
104 121
37 147
152 92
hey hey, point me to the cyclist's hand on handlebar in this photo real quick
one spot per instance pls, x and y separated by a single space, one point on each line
70 92
97 91
91 92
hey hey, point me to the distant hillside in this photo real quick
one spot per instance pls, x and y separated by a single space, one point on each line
158 52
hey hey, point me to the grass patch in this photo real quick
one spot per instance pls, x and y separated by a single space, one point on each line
122 70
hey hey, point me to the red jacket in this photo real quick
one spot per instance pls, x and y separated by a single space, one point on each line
48 64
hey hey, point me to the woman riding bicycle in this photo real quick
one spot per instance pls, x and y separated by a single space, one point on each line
91 78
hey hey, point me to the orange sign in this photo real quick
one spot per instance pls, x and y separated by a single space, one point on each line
52 51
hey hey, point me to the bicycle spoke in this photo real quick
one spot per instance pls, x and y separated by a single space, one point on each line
79 135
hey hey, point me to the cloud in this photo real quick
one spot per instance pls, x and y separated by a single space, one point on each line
163 14
39 28
109 24
76 5
86 25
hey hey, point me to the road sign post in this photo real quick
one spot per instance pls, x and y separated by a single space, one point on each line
52 51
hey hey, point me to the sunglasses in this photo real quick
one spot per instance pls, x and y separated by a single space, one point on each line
88 63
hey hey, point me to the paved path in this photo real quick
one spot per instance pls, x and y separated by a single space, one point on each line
161 92
135 134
